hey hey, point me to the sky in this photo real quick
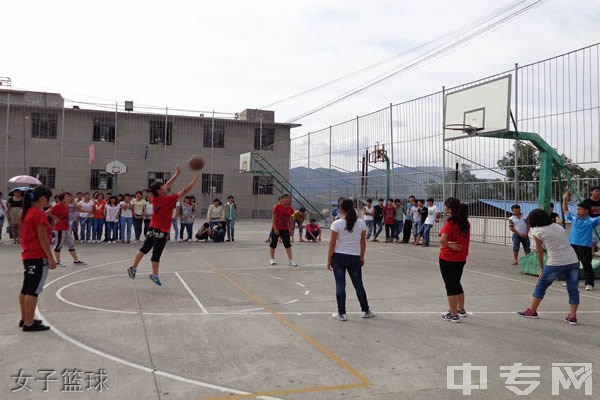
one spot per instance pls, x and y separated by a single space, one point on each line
231 55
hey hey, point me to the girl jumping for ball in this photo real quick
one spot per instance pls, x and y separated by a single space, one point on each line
160 223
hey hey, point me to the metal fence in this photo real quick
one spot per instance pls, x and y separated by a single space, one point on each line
558 98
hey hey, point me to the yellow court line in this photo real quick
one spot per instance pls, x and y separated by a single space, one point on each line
364 382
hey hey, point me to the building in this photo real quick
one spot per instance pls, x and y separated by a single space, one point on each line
68 149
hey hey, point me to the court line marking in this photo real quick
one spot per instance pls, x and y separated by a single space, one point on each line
292 301
300 284
307 293
250 310
364 382
189 290
119 360
278 278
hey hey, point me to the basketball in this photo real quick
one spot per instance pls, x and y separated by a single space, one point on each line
196 163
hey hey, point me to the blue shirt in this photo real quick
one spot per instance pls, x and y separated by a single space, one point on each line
581 229
408 218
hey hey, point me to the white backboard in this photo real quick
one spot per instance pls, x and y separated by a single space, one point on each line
116 168
486 107
246 162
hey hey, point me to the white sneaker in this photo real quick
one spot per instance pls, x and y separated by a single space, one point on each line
292 264
272 262
589 288
339 317
368 314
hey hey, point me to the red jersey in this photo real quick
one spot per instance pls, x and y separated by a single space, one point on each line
99 207
282 217
61 212
163 212
313 228
454 235
389 215
31 247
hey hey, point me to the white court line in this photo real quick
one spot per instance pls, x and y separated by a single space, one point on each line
292 302
119 360
299 284
251 309
185 285
307 293
242 273
278 278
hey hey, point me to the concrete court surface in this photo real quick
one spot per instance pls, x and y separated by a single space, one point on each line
226 325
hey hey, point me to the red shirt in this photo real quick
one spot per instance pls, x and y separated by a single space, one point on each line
454 235
30 243
163 212
61 212
313 228
389 215
282 217
99 207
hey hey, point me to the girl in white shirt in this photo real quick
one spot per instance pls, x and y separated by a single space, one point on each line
368 212
562 260
347 247
112 219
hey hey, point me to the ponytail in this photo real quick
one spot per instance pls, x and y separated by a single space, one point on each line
32 196
350 214
460 214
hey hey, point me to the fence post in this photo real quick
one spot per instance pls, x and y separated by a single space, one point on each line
330 181
358 170
392 149
516 117
6 142
443 145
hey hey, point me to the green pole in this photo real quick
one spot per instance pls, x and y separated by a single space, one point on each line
545 185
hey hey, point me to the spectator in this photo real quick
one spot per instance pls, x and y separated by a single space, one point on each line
399 223
216 213
299 218
554 216
138 208
282 223
368 212
408 223
148 211
389 219
218 232
175 221
15 206
230 218
378 219
99 218
75 225
113 212
313 231
86 217
204 233
594 205
415 213
3 211
519 227
187 215
60 214
126 219
433 217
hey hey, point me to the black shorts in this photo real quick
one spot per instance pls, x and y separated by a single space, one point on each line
285 238
155 241
34 276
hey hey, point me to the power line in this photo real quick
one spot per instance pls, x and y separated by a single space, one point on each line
454 33
424 59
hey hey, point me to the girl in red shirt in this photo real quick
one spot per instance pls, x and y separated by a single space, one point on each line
36 255
454 238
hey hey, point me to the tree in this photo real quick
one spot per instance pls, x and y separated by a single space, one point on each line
465 186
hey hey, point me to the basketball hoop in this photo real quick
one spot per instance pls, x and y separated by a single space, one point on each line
466 128
116 170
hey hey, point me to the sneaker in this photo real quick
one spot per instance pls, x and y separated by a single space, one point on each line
35 328
451 318
35 322
272 262
339 317
79 262
589 288
375 240
155 279
528 314
131 272
189 241
462 313
571 320
60 264
368 314
292 264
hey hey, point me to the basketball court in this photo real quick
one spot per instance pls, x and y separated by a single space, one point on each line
225 325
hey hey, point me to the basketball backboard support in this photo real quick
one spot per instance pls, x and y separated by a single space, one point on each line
116 168
246 162
478 110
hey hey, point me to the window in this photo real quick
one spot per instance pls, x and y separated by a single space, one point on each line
266 139
43 125
212 183
219 135
100 180
157 132
262 184
104 129
46 175
158 176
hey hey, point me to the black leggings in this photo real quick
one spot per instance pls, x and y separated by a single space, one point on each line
584 254
406 231
451 273
155 241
